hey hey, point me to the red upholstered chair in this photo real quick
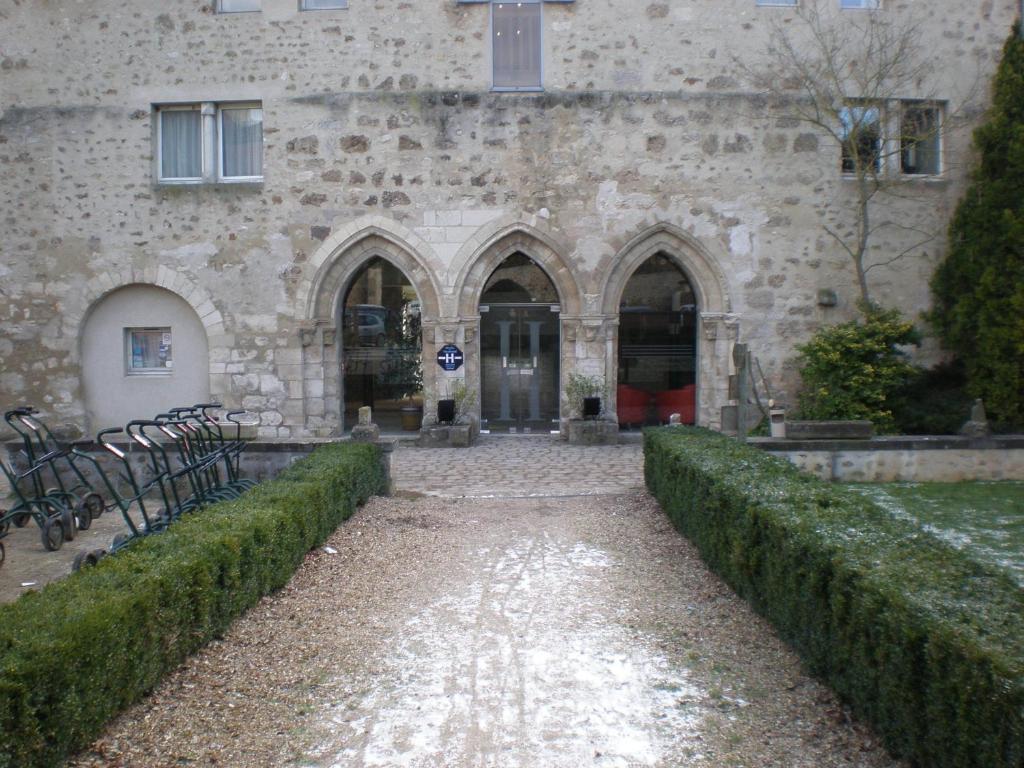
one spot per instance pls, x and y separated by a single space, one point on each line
681 401
631 404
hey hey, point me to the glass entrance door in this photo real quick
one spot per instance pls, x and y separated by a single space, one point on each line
519 367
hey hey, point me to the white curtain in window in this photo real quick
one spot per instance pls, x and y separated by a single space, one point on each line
920 145
316 5
242 142
232 6
181 144
516 37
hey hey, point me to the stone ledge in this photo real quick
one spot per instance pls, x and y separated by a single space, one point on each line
829 430
448 436
593 432
891 443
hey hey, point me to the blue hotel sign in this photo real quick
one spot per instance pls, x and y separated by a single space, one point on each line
450 357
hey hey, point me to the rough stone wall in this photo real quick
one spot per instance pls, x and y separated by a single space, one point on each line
953 465
379 120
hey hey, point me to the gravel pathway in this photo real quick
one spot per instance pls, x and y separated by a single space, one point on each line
573 631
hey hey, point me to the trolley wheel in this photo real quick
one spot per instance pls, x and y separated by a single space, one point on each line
3 553
67 520
5 524
94 502
21 519
83 515
53 534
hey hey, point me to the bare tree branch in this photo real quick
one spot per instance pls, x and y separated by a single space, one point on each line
848 76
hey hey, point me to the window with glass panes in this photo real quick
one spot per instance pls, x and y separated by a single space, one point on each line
920 140
237 6
206 142
862 136
516 44
148 350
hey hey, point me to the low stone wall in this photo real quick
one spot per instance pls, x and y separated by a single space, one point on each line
904 459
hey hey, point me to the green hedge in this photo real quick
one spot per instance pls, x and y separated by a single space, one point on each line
79 651
919 639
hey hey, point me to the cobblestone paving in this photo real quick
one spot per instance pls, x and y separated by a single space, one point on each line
518 467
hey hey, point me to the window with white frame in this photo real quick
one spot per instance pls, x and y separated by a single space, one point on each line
237 6
867 5
920 139
148 350
323 5
181 143
516 44
861 124
896 136
208 142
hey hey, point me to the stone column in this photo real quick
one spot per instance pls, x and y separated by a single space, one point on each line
321 374
438 383
717 332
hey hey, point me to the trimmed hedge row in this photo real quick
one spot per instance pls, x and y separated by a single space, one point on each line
79 651
919 639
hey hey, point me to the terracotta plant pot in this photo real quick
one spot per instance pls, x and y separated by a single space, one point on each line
412 417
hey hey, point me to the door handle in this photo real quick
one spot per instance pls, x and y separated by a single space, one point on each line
504 362
535 361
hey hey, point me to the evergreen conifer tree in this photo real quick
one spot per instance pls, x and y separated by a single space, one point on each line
979 288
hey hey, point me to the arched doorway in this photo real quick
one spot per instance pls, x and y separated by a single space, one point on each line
381 336
519 348
657 361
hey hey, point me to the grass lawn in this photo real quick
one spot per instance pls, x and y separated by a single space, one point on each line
985 519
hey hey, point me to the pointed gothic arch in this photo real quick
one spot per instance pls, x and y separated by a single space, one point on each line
498 245
340 258
338 262
695 261
716 324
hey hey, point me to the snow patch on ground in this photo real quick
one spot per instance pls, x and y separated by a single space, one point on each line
520 667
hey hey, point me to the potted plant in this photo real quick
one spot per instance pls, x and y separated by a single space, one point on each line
586 427
455 408
585 395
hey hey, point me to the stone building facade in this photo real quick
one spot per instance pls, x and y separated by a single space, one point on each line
383 136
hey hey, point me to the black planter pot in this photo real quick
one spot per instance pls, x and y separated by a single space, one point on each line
445 411
591 407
